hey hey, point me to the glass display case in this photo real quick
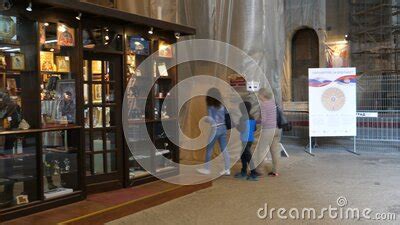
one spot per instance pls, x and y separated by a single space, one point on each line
159 106
165 106
18 169
39 132
58 89
62 79
60 163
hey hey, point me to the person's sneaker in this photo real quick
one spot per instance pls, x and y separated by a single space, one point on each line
252 178
257 174
272 174
204 171
225 173
241 175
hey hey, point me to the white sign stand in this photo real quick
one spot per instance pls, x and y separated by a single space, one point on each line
332 104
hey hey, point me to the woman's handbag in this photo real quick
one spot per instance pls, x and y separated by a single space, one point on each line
228 121
281 120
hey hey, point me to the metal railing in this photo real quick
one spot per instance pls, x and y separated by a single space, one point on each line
374 134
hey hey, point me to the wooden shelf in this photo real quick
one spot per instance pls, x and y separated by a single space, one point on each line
54 72
40 130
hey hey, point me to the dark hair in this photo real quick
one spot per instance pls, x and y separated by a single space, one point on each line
213 97
68 93
245 108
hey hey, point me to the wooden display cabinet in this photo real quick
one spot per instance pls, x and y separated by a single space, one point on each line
68 76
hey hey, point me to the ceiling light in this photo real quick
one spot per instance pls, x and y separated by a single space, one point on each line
151 31
29 8
177 35
78 17
46 24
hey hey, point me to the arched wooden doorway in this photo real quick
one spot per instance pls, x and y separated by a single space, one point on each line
305 55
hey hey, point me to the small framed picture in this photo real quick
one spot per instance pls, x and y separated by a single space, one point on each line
62 63
22 199
164 49
67 95
3 63
97 91
46 61
65 35
96 67
139 45
18 61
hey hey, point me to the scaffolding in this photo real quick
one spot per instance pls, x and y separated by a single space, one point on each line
375 43
375 47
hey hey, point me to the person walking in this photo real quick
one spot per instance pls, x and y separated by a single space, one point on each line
246 127
216 117
270 134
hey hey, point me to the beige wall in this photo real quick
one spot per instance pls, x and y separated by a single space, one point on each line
158 9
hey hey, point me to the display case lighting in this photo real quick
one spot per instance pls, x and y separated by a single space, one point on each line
29 8
79 16
151 31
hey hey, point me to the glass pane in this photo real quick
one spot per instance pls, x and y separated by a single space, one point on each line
111 140
86 93
109 75
110 93
87 141
86 115
18 178
97 117
60 163
96 70
98 141
97 94
88 164
85 70
98 164
110 116
57 77
102 38
111 162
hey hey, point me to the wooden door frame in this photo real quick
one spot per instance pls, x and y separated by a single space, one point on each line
115 180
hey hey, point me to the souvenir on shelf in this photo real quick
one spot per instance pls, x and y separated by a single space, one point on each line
131 63
96 67
164 49
17 61
63 64
47 61
65 35
42 33
8 31
97 93
162 69
139 45
67 95
3 63
12 86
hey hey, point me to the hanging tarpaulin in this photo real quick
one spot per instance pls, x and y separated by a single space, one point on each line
337 54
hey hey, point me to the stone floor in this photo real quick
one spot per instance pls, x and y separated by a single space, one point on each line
369 180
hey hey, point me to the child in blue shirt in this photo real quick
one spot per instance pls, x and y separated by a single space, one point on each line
247 127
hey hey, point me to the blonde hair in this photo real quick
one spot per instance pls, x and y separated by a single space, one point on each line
267 94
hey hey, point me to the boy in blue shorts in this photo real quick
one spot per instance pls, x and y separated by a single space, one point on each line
247 127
